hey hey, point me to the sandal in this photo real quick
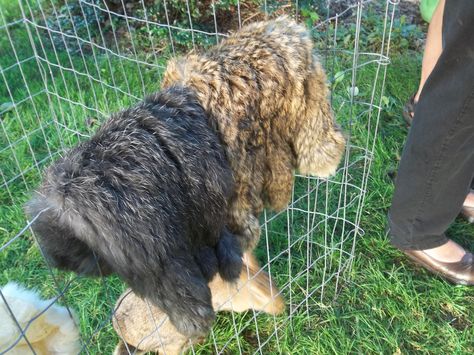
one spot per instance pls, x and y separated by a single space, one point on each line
461 272
409 110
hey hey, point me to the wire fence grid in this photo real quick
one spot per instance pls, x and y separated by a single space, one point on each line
66 65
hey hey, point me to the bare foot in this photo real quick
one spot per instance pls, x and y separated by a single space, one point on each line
450 252
469 201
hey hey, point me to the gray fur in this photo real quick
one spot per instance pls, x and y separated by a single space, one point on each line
146 197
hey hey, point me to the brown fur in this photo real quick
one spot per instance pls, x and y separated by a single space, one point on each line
266 92
144 327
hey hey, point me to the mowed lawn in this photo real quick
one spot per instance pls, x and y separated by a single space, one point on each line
384 304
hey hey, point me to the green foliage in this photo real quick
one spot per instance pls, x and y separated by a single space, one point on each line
198 15
309 11
200 12
78 21
404 36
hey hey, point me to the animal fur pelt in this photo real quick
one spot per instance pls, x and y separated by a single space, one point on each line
266 93
151 194
146 197
143 327
49 333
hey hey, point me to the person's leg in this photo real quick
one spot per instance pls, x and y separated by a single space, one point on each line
468 206
436 169
433 49
469 201
433 46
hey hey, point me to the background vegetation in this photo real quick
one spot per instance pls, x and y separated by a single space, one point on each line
383 305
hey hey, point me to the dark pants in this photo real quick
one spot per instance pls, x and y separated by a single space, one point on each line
437 166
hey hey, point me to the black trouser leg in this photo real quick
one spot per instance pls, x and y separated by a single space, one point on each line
437 166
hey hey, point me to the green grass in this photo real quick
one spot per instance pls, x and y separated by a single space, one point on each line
384 304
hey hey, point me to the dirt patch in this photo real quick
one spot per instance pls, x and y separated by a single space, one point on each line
411 10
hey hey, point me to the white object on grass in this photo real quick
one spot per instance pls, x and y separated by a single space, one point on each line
52 332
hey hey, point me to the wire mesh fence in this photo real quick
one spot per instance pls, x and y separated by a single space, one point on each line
66 65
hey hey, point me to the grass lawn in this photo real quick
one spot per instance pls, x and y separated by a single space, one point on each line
384 304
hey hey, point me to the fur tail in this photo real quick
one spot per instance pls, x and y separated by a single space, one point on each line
57 238
229 256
